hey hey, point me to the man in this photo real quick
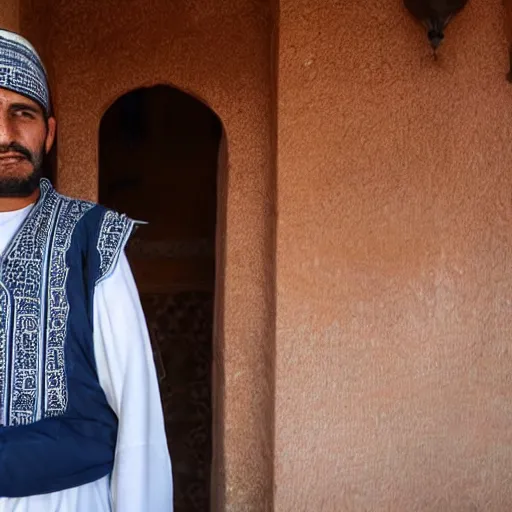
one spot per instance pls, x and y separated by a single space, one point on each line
81 424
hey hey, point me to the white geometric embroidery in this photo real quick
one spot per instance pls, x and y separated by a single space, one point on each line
4 348
32 373
114 232
55 396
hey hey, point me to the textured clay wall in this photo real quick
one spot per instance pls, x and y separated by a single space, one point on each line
218 51
9 14
394 271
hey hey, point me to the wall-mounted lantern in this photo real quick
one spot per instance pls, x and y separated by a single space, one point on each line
434 15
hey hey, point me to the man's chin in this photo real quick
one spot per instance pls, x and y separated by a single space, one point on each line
20 187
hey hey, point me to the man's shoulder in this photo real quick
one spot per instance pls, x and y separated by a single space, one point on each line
113 226
77 202
103 214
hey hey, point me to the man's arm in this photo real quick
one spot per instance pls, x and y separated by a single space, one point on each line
142 479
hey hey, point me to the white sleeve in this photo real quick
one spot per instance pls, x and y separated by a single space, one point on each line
142 476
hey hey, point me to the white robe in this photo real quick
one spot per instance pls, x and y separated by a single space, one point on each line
141 480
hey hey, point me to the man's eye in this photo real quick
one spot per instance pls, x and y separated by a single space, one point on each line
25 114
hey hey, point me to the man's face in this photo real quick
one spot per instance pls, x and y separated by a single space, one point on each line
25 138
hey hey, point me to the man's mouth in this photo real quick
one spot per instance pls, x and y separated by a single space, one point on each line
11 158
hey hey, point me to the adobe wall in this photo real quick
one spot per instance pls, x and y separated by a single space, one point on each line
394 275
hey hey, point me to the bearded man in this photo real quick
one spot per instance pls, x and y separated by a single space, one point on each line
81 423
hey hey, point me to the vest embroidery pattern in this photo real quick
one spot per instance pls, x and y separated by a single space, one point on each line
34 311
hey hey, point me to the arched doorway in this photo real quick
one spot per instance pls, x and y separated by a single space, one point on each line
158 152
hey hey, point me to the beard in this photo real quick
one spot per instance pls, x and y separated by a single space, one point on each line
22 186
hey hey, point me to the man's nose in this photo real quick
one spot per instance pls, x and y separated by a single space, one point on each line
6 130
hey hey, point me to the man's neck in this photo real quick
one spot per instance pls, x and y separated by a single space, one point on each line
10 204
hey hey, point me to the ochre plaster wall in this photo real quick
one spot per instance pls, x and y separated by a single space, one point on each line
218 51
394 269
9 15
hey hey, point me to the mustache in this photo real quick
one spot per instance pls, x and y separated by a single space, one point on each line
14 147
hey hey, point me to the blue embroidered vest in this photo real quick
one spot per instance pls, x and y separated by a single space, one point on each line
57 430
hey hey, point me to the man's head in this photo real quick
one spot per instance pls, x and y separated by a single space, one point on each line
27 128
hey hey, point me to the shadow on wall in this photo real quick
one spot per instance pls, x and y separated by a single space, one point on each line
158 162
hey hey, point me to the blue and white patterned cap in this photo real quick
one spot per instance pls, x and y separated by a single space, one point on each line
21 69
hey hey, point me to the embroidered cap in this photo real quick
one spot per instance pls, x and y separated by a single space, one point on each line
21 69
